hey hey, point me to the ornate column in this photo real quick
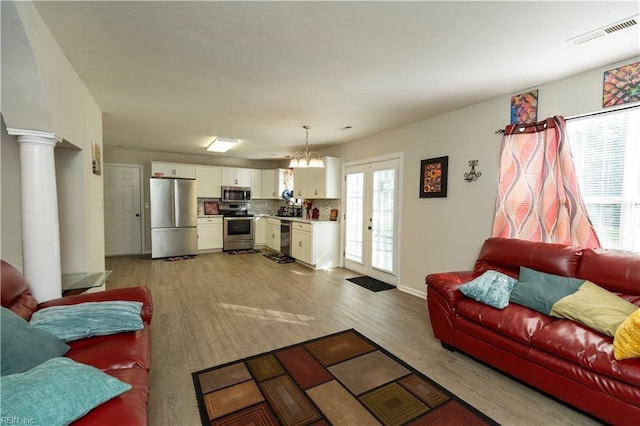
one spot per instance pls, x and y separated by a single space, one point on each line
39 204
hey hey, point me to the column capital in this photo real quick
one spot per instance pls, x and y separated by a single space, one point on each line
34 136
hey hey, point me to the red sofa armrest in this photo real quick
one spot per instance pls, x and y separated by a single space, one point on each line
447 283
132 294
442 297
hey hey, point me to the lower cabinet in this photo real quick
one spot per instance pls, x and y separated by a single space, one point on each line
209 233
260 231
316 244
273 234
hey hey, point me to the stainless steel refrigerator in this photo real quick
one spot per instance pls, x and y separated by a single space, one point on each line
174 217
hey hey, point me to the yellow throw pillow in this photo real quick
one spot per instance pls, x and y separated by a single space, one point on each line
626 342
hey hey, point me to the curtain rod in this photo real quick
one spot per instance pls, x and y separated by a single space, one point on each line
589 114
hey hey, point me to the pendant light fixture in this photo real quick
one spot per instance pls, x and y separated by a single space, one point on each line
306 158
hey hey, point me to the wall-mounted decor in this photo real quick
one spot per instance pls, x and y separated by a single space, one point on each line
433 177
524 108
621 85
96 159
472 175
334 215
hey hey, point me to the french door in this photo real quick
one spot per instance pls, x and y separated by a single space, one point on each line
371 219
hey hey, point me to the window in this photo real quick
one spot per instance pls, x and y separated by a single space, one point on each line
606 153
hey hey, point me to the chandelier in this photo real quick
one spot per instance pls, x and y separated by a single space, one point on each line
306 158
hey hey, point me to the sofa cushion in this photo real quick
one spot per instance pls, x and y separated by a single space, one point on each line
89 319
491 288
24 346
116 351
57 392
539 290
626 342
507 255
129 408
580 345
615 270
594 307
514 321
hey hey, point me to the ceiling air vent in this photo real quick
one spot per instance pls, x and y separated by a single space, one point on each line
601 32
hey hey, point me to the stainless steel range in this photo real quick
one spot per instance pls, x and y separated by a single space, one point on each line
238 233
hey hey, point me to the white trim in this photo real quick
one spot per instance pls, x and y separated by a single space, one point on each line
413 291
36 133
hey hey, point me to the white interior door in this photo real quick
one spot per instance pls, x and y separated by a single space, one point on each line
371 219
122 210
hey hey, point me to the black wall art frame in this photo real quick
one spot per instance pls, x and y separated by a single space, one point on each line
433 177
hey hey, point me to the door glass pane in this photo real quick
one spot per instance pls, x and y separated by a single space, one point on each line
382 224
353 224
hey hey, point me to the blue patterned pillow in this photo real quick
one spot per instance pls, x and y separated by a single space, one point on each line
74 322
24 346
491 288
56 392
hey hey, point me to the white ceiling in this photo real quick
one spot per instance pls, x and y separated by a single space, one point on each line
170 76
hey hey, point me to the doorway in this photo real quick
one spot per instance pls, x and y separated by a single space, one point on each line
122 209
372 218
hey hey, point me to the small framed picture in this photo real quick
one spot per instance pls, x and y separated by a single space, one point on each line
334 215
96 158
433 177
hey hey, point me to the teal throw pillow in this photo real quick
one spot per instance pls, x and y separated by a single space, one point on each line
24 346
539 290
74 322
491 288
56 392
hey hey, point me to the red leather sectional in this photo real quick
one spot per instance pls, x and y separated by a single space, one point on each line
557 356
126 356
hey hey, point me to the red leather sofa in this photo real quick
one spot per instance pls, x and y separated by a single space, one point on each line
126 356
557 356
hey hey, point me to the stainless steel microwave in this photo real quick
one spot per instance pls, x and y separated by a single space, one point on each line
235 194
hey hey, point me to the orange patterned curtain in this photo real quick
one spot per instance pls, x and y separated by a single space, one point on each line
538 195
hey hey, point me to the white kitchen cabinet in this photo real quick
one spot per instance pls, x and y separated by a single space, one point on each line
316 244
275 181
256 183
260 231
273 234
233 176
208 178
209 233
318 182
171 170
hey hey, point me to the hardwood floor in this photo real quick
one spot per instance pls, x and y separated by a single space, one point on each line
217 307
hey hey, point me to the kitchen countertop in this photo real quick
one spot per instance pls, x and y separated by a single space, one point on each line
301 219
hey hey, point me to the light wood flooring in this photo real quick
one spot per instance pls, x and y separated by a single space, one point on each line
217 307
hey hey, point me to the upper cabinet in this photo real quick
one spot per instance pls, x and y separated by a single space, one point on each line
169 170
208 178
232 176
275 181
256 183
318 182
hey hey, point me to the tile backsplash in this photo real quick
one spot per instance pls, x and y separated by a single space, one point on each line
271 206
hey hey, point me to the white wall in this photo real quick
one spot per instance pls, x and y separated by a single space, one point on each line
10 234
75 118
445 234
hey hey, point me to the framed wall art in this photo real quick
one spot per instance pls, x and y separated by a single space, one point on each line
96 158
433 177
621 85
524 108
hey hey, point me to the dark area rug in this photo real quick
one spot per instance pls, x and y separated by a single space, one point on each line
370 283
173 259
250 251
343 378
280 258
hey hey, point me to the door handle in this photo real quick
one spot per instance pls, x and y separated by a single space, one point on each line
369 228
137 214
